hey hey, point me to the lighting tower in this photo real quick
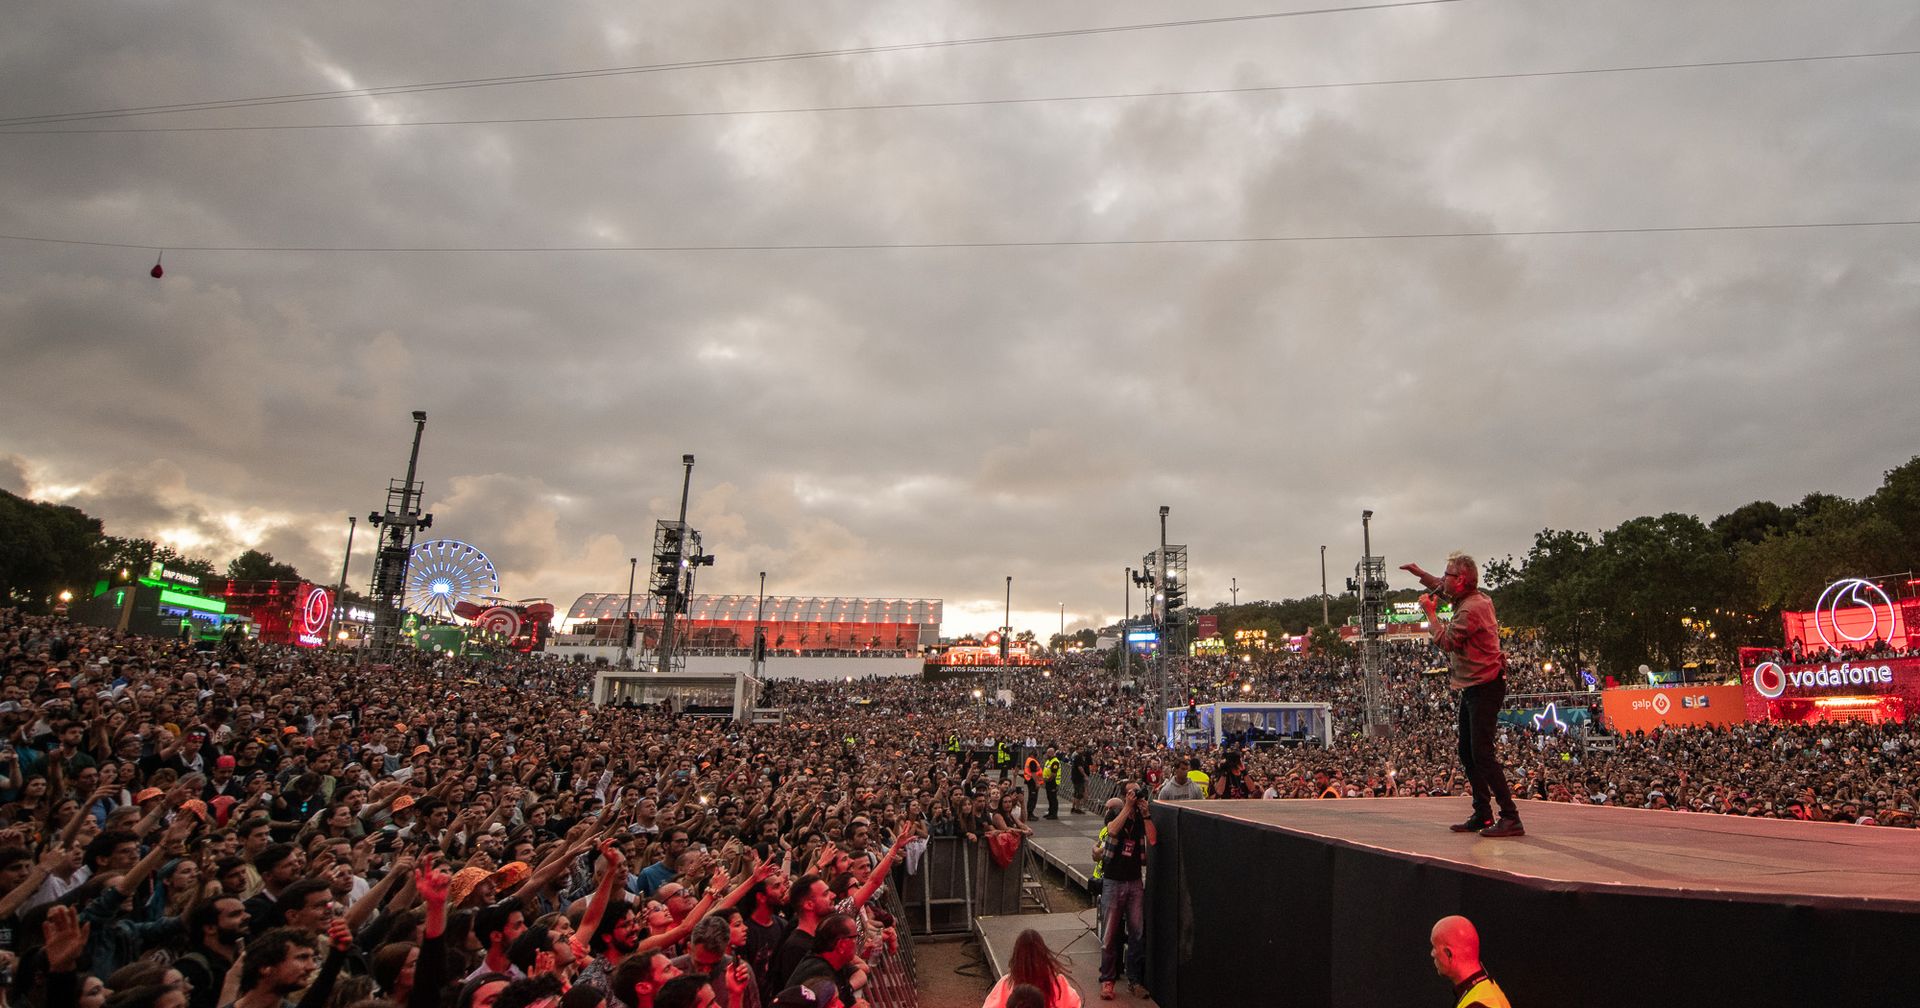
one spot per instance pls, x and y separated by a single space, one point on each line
1126 626
340 596
760 632
676 553
396 528
1370 581
1166 570
626 615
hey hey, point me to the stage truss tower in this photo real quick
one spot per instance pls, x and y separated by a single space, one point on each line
396 528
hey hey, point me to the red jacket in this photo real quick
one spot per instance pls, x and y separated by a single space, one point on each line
1471 640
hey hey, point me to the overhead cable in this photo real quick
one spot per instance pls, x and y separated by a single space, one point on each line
936 245
483 82
975 102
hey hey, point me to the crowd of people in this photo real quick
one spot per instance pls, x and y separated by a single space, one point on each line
182 828
1798 653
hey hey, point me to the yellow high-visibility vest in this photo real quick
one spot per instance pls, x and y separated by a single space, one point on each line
1484 992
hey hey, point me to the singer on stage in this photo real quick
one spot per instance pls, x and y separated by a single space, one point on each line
1475 668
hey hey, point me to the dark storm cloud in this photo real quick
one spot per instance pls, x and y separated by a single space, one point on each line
928 422
13 474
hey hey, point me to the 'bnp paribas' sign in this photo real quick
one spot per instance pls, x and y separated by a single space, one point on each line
159 572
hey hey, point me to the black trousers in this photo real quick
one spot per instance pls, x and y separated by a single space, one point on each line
1479 714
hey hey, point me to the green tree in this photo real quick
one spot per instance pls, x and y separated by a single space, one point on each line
1648 575
1832 538
1634 595
1082 638
26 554
1287 617
1897 504
1550 590
1325 640
44 549
136 557
254 565
1752 523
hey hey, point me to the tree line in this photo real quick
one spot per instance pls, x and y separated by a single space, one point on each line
46 549
1663 591
1668 590
1658 590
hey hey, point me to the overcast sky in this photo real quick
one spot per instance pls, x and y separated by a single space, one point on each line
924 422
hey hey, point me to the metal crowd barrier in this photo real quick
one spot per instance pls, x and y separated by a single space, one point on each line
957 882
939 899
893 982
1099 789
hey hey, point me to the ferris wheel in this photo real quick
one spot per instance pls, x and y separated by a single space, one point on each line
442 573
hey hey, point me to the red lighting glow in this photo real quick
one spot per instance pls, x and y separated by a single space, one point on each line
312 612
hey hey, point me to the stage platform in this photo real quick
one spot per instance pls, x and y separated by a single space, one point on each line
1069 934
1066 843
1595 906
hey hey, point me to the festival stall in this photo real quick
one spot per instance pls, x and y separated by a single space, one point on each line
1249 724
1875 690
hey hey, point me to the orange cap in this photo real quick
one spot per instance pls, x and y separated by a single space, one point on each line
510 874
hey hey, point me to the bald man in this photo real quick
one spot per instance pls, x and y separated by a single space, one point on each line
1456 956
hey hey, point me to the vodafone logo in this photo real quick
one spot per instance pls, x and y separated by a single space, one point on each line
1661 705
318 610
499 620
1770 679
1849 593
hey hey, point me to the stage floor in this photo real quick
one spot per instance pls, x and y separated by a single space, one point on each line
1066 843
1624 850
1069 935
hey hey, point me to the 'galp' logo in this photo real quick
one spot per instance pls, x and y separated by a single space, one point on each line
1769 679
1661 704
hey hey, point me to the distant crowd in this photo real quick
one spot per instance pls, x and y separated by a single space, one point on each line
192 829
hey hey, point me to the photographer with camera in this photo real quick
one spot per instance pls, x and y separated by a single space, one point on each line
1123 887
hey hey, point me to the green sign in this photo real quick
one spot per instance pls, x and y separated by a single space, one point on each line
185 601
159 576
1410 612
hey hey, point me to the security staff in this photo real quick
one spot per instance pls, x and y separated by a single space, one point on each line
1050 774
1002 758
1456 956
